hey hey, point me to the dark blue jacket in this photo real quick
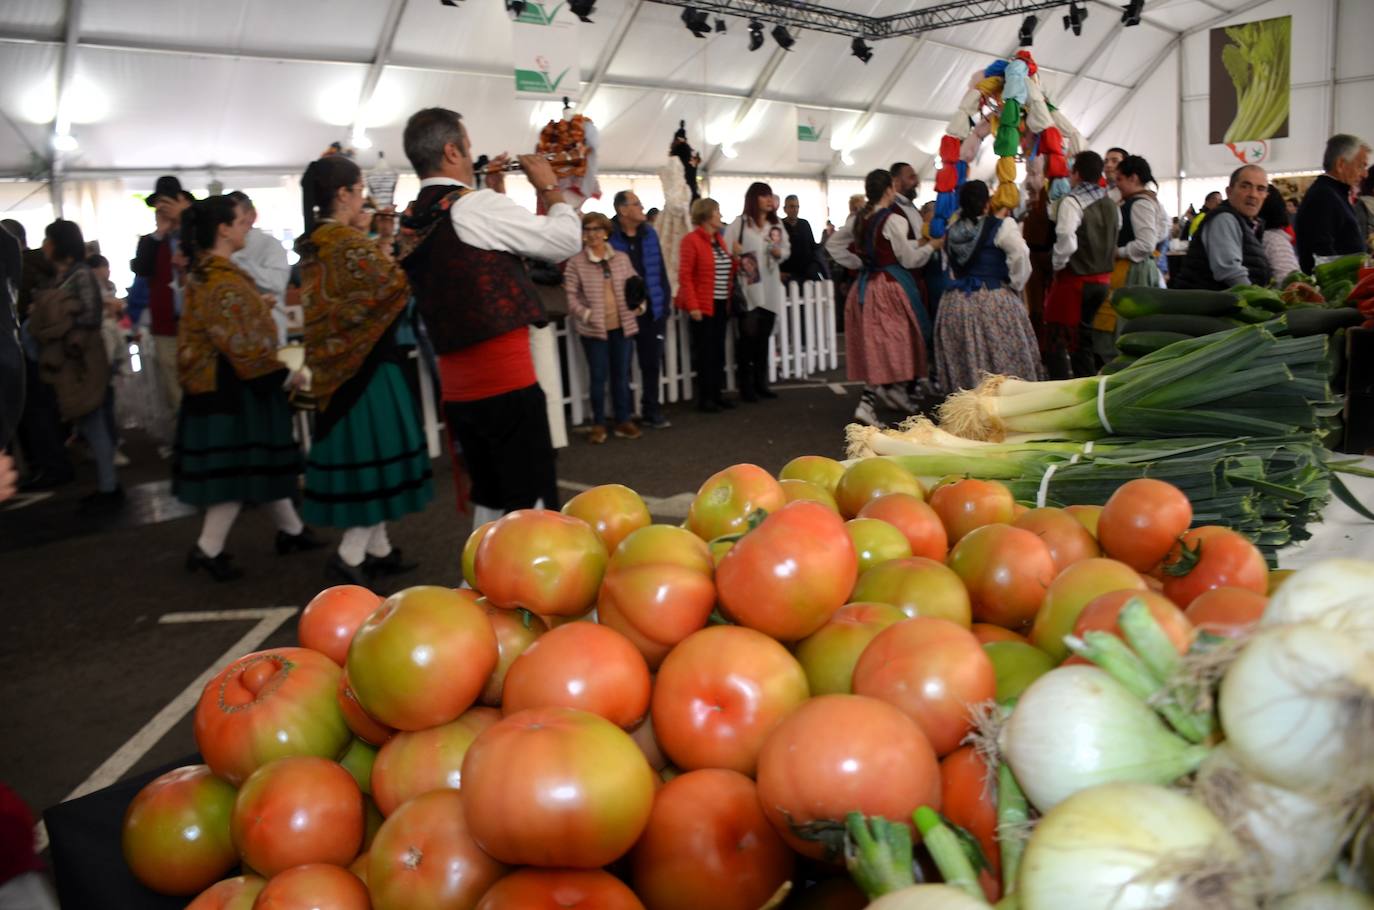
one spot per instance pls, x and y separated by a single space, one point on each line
654 274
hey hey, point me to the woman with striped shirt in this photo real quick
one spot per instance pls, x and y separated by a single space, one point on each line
706 273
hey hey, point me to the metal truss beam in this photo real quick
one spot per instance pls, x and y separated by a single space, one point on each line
814 17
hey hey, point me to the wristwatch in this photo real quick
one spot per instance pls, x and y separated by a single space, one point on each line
551 186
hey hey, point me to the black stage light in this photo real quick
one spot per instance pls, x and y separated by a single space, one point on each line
783 37
1027 34
720 25
755 35
696 21
859 48
1076 17
449 2
1130 14
582 9
515 7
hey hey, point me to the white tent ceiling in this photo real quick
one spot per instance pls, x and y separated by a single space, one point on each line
264 85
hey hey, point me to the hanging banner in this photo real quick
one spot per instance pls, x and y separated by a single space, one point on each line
813 135
544 41
1250 77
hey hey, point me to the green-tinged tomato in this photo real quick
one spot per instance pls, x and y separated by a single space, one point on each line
1068 540
917 521
866 480
550 564
176 831
829 654
613 510
804 489
815 469
515 631
470 552
918 587
414 763
357 760
295 811
971 503
1017 665
656 606
1087 516
237 893
1070 592
424 857
876 542
1006 570
727 501
314 885
659 544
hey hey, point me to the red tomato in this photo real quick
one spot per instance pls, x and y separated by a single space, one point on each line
295 811
1068 541
876 542
828 655
720 693
918 587
844 753
328 622
515 631
1231 612
414 763
470 552
1070 592
932 669
548 563
1213 557
1017 665
556 889
425 858
789 575
1100 615
968 789
866 480
313 886
364 725
817 469
708 844
915 519
423 658
663 544
237 893
267 705
728 499
1142 520
176 831
613 510
970 503
985 633
556 787
656 605
585 666
794 490
1006 570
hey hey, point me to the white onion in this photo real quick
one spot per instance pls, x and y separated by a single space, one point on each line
927 897
1133 847
1325 896
1297 706
1292 840
1335 594
1076 727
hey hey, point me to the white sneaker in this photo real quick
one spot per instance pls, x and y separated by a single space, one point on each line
896 398
865 414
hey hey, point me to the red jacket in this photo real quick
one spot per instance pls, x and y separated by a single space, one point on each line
696 286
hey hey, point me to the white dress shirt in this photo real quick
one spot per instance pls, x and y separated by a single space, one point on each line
908 253
264 259
1009 240
490 220
1150 225
1067 220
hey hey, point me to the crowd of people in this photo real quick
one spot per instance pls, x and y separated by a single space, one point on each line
1008 292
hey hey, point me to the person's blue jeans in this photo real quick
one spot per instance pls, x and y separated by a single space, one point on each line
609 355
95 429
649 346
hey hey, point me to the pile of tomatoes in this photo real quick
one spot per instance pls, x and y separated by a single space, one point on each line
619 714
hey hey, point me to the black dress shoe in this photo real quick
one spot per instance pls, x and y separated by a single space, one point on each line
297 543
219 566
725 404
44 480
336 570
102 501
390 564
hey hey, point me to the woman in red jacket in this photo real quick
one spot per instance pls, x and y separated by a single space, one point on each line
706 273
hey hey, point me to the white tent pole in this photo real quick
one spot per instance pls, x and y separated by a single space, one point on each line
1335 62
1181 147
374 71
62 122
755 95
603 66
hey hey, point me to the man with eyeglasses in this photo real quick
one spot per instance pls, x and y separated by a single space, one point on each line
637 239
1226 250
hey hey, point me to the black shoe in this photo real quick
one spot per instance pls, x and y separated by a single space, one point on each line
390 564
44 480
748 396
340 572
764 392
102 502
218 566
708 407
297 543
725 404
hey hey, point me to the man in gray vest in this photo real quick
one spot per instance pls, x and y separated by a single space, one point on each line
1086 225
1226 250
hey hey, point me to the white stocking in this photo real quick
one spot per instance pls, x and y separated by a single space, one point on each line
219 518
378 543
353 546
284 516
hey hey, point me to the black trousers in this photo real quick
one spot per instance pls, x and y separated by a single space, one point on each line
708 352
505 442
751 360
649 349
40 433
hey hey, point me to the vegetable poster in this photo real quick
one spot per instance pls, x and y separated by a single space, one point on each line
546 56
813 135
1249 90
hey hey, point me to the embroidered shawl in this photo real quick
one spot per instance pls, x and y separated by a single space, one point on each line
223 313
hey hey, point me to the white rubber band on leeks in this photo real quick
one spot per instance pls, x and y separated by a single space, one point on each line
1102 404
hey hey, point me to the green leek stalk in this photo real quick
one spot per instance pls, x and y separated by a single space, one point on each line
1013 813
945 849
878 854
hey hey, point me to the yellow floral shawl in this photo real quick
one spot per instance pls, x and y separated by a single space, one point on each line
223 313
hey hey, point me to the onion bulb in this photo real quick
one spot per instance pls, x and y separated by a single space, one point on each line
1325 896
1133 847
1334 594
927 897
1297 706
1292 839
1076 727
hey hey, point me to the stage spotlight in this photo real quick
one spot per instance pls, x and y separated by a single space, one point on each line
755 35
1027 34
697 22
582 9
515 7
783 37
1076 17
720 25
859 48
1130 14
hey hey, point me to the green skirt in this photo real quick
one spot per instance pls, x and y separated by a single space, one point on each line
247 455
373 464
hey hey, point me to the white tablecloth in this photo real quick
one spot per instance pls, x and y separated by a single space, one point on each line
1341 533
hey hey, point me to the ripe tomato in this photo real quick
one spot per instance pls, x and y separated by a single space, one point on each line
1070 592
1142 520
556 787
1006 570
1231 612
876 542
328 622
644 737
613 510
515 631
663 544
1100 615
911 515
237 893
934 670
423 658
728 498
918 587
424 857
556 889
176 831
1087 516
985 632
839 754
1017 665
789 575
364 726
266 705
470 552
295 811
359 866
968 790
414 763
314 885
1068 541
656 605
720 693
823 472
708 844
794 490
866 480
971 503
1213 557
548 563
585 666
828 655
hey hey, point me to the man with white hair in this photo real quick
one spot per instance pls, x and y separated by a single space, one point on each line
1326 224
